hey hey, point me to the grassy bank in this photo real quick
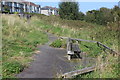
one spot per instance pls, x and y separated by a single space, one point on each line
108 70
108 35
19 39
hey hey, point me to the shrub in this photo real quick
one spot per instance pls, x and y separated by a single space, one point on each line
15 12
58 44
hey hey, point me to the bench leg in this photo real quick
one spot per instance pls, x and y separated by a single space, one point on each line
78 55
69 57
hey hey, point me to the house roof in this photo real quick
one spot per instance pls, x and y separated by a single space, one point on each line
22 1
49 7
30 3
13 0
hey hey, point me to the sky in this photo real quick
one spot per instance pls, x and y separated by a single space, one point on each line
84 5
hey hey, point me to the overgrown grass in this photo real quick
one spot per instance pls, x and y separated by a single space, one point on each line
19 39
108 70
58 44
105 34
108 35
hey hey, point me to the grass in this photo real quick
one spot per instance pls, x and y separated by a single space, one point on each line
59 43
107 35
110 70
20 39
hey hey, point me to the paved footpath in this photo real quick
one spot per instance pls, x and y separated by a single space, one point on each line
49 62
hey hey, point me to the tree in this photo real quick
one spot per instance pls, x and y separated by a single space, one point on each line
90 16
101 16
81 16
107 15
116 13
69 10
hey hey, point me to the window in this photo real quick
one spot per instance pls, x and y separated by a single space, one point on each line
15 4
3 2
10 3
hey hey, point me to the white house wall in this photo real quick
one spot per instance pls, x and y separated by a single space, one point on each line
26 7
53 12
39 10
45 12
13 9
0 6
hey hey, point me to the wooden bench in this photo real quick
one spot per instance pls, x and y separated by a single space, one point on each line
73 50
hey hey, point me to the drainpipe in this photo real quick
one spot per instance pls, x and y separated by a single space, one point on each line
24 7
0 5
29 7
13 10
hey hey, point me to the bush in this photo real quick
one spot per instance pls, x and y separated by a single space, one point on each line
15 12
58 44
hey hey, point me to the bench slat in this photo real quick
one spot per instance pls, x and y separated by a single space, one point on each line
75 48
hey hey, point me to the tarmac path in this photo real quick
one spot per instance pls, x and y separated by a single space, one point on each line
49 62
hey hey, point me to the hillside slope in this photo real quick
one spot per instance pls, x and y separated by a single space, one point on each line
20 39
107 35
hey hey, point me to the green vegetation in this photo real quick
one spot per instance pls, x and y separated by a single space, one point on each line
58 44
110 70
69 10
7 9
108 35
19 39
92 49
12 67
103 16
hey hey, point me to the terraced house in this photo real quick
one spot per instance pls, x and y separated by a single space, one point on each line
47 10
19 6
